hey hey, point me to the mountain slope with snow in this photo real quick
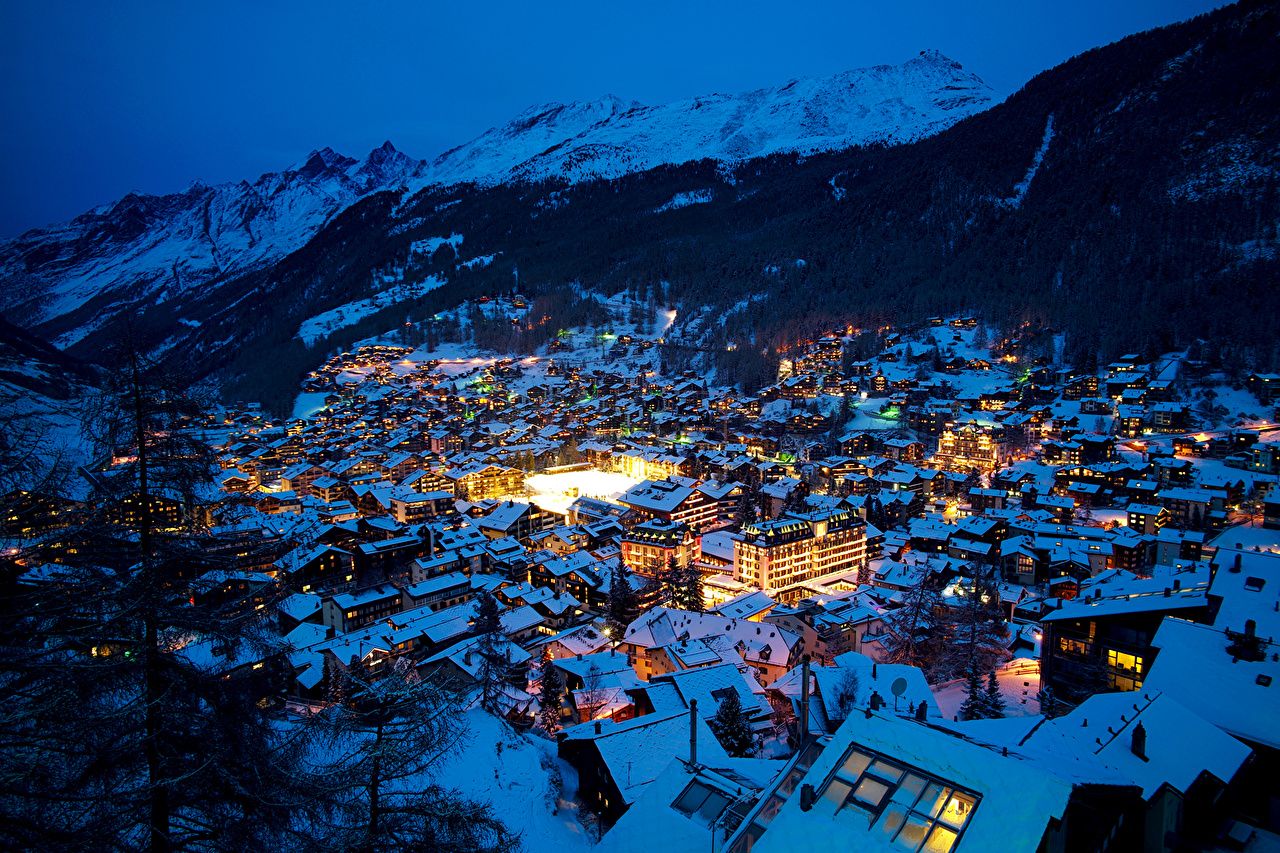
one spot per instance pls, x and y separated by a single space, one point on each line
608 138
76 279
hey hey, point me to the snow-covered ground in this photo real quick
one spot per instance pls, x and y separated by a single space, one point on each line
531 790
556 491
1019 683
326 323
685 199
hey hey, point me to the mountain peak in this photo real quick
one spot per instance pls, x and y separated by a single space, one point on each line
320 161
611 136
934 55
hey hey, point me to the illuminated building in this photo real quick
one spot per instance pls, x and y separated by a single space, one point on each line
972 445
649 547
773 555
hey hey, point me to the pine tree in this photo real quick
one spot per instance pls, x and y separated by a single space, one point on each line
495 664
693 596
1048 704
123 722
622 607
552 697
370 755
732 728
670 581
994 699
747 507
974 706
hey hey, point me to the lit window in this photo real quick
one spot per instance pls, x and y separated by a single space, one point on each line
910 809
1124 661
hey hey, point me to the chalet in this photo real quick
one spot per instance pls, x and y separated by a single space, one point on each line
480 481
1264 386
306 569
412 507
615 761
439 592
650 547
863 790
1147 518
390 558
1102 639
349 611
671 501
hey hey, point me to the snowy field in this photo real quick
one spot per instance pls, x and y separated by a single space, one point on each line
555 492
530 789
1019 683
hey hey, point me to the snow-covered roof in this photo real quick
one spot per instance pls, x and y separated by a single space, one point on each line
1016 797
1179 744
638 750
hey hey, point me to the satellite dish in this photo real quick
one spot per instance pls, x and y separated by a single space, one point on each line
898 687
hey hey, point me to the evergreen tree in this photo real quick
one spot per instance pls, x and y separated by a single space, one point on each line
732 728
1049 705
994 699
623 607
682 586
495 663
693 595
552 697
671 581
125 724
488 619
747 506
974 706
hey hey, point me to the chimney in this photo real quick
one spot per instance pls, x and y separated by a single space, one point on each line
1139 744
1235 564
807 797
804 701
877 701
693 731
598 727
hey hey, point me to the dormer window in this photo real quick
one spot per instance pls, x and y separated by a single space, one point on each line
909 808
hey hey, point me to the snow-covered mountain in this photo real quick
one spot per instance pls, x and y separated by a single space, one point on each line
72 280
612 137
149 249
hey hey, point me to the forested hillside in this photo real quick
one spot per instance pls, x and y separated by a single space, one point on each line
1127 197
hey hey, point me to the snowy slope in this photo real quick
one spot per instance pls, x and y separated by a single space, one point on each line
71 280
155 248
517 775
611 137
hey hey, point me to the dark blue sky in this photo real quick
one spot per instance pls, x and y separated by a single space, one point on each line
104 98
